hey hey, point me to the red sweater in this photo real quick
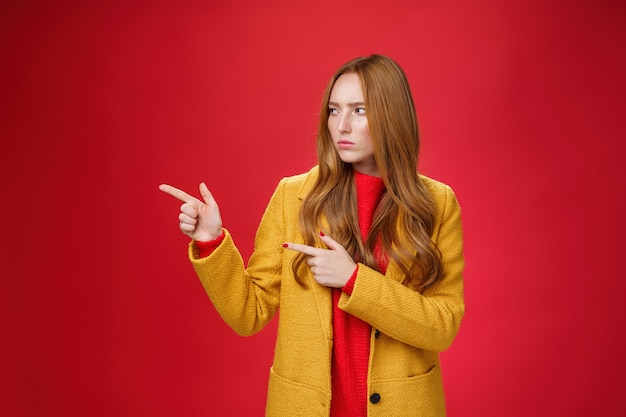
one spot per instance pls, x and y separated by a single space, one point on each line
351 336
351 344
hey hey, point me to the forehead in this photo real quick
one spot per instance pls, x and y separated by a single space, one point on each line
347 88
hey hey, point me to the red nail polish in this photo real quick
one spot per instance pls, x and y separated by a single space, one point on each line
285 245
322 234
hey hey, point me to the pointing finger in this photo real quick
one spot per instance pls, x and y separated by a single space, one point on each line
180 195
307 250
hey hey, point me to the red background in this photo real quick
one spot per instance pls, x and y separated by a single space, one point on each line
521 106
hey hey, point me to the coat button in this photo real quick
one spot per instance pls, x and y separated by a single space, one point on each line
377 333
375 398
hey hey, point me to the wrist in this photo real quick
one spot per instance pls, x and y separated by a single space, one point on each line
209 236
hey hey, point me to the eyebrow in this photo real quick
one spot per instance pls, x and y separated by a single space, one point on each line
353 104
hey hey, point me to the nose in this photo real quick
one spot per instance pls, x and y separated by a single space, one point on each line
344 123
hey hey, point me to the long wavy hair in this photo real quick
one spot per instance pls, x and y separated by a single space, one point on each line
404 219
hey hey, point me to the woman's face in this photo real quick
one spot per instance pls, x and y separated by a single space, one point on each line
347 122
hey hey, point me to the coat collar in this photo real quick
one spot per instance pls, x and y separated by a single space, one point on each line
308 183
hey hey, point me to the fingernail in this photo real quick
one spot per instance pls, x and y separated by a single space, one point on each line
285 245
322 234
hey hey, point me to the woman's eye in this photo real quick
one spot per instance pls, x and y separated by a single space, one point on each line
360 110
332 111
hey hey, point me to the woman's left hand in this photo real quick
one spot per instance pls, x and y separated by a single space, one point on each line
331 267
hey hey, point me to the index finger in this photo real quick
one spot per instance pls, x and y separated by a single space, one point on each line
307 250
180 195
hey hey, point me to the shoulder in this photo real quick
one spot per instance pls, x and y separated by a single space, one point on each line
441 193
300 184
433 185
301 178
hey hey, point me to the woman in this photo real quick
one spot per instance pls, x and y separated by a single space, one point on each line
362 254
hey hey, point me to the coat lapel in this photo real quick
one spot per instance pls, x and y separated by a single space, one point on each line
323 295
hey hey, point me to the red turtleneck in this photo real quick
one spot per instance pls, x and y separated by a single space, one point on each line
351 344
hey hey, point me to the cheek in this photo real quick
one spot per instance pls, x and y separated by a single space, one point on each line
364 130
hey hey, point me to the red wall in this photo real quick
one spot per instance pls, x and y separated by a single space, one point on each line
521 109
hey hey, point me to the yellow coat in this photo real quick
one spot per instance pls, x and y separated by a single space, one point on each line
408 328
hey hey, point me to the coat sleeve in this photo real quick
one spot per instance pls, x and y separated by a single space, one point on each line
246 298
428 320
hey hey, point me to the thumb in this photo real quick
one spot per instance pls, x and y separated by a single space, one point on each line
330 242
205 193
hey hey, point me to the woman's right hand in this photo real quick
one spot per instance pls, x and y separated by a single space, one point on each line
199 220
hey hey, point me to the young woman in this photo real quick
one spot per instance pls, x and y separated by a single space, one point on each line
363 256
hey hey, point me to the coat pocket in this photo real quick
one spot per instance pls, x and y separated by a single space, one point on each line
419 395
290 398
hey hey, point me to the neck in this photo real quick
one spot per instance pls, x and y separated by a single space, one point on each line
371 171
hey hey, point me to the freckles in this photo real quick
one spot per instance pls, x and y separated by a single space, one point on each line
364 129
363 126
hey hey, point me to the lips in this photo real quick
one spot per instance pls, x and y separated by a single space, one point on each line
345 144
